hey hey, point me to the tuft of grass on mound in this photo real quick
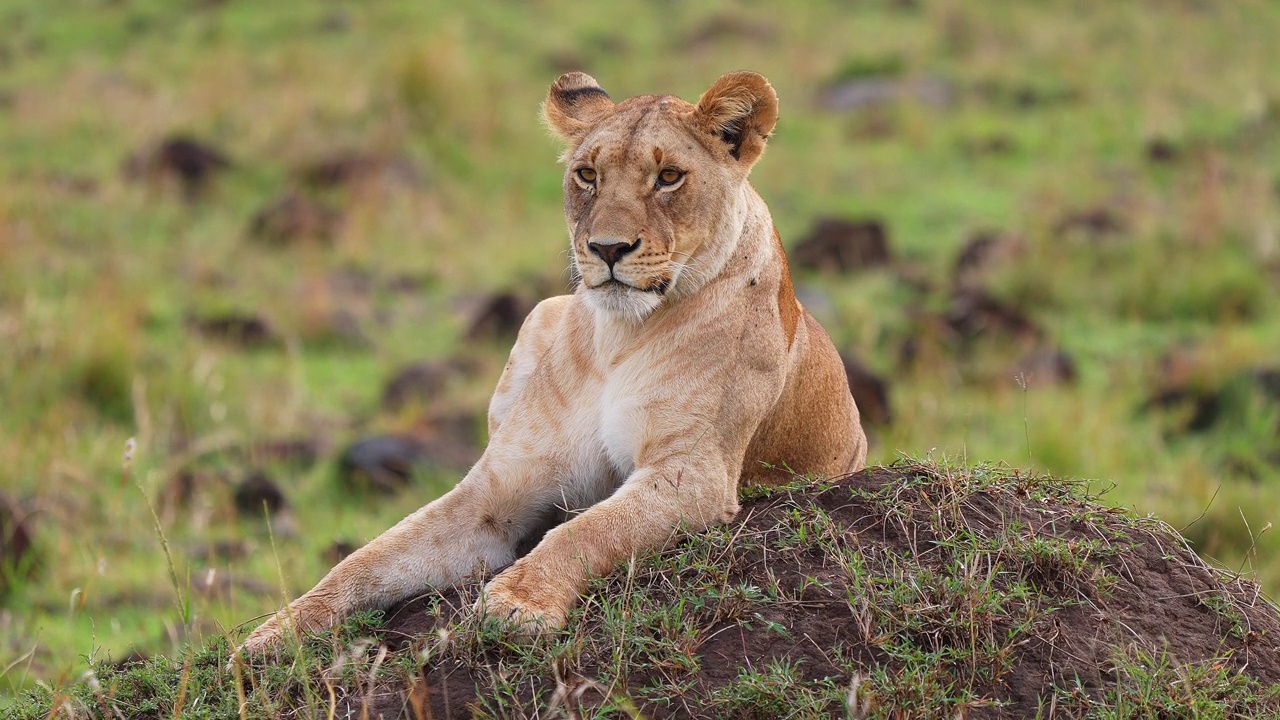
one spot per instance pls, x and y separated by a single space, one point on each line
914 590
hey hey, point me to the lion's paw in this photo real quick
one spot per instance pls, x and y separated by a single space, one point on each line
531 613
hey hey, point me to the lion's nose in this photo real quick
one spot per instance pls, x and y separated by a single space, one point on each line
611 253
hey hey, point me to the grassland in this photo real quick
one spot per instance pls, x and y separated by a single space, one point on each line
1052 111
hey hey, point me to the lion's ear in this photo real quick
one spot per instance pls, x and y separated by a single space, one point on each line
741 109
575 103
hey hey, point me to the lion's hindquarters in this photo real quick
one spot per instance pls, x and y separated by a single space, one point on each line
814 427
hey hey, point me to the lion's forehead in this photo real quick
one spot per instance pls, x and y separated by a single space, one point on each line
641 132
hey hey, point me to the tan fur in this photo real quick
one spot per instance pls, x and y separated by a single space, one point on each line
630 411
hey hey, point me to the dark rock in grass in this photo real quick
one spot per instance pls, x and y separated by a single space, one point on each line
1231 405
239 329
225 586
869 92
191 163
973 323
339 328
982 252
839 245
499 316
420 383
1022 96
1092 225
219 550
999 144
729 27
293 219
870 392
387 463
337 551
384 463
1199 407
133 657
298 452
257 494
456 431
975 314
352 168
1162 151
17 558
870 592
1045 366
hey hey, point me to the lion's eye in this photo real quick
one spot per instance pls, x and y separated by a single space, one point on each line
587 175
669 177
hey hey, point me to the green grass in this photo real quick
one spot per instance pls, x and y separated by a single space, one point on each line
99 274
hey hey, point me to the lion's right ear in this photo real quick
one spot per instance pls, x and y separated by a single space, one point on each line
575 103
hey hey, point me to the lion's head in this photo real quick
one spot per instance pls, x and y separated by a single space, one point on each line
655 189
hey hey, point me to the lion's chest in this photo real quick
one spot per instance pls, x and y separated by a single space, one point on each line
614 423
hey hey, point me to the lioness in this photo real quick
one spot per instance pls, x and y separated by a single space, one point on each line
630 411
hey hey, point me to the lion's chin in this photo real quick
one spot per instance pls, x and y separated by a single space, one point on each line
622 300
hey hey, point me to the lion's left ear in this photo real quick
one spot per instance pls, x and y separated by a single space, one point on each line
741 109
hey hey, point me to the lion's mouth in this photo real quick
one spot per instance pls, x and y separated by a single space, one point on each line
613 284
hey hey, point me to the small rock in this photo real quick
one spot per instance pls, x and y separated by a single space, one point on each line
357 168
257 491
222 585
1201 406
999 144
984 250
456 430
870 392
16 552
180 491
1162 151
867 92
337 551
1046 366
335 328
563 61
386 463
192 163
299 452
243 330
1092 224
219 550
838 245
729 27
974 314
418 384
133 657
1025 97
499 316
292 219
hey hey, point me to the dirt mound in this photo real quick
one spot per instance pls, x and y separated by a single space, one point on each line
910 589
913 591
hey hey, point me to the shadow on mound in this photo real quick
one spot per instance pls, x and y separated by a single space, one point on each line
911 590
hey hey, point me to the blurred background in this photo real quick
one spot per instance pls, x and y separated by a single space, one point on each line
285 247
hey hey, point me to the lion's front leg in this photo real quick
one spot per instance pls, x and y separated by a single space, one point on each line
476 525
434 547
652 508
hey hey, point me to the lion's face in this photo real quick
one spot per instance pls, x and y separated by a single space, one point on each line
653 186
